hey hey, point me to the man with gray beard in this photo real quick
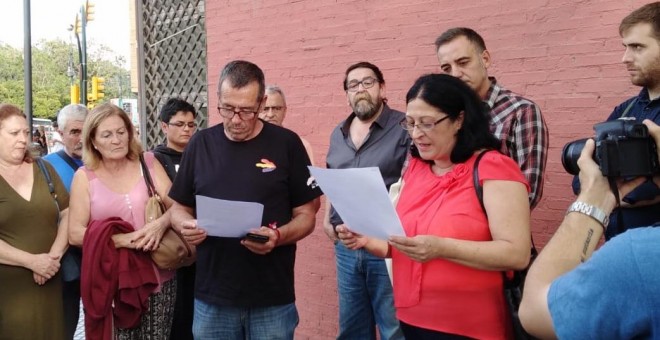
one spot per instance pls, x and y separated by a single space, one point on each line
373 139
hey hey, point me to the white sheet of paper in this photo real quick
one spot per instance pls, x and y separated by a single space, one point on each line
225 218
360 197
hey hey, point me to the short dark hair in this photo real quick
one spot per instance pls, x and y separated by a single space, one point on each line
174 105
647 14
240 73
453 33
452 96
364 64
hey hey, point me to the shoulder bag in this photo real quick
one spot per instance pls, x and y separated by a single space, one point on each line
513 287
173 252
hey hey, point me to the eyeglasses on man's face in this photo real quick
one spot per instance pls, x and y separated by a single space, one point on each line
243 113
180 124
409 125
367 83
273 108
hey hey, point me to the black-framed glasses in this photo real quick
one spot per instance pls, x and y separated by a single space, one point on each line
191 125
243 113
367 83
425 127
273 108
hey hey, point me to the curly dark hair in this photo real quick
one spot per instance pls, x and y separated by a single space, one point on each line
453 97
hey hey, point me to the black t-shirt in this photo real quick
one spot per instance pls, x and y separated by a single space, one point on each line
270 169
169 159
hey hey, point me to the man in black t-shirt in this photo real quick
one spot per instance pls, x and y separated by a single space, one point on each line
244 289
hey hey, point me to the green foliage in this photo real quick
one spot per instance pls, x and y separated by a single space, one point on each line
50 82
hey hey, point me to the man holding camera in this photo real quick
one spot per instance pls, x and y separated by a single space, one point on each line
640 31
615 293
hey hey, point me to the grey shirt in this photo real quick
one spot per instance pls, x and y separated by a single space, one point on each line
386 147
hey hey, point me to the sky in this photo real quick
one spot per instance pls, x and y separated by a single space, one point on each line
51 18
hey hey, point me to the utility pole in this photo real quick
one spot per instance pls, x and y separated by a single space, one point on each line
27 61
80 30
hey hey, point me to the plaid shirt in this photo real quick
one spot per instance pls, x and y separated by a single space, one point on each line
518 123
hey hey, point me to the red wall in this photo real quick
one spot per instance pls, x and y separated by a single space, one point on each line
564 55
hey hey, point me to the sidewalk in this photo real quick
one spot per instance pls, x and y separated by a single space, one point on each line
80 330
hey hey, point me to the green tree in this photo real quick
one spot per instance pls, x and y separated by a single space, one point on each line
50 83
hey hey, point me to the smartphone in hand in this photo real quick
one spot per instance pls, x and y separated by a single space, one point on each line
257 238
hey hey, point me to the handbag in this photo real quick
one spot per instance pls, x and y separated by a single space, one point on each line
173 252
513 287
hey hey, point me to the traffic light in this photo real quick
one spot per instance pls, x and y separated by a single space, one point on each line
75 94
89 10
97 88
77 26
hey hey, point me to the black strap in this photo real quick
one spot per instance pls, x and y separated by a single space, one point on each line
68 160
49 181
625 112
517 277
42 167
477 185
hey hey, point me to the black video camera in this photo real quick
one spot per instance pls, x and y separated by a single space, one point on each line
624 148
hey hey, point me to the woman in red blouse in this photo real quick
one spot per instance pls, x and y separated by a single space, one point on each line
447 270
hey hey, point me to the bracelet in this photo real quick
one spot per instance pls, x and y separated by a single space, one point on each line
590 210
277 231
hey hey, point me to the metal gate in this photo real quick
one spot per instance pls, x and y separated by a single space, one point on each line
171 61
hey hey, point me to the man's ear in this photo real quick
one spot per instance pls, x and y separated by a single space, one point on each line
383 91
485 58
164 127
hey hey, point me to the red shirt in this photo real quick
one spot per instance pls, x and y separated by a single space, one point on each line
443 295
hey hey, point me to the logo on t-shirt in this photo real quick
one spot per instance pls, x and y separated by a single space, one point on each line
311 182
266 165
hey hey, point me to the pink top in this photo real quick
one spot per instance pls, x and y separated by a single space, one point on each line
104 203
443 295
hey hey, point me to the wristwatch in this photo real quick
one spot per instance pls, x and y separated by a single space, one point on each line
591 211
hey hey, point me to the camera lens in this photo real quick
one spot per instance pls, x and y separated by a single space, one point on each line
570 155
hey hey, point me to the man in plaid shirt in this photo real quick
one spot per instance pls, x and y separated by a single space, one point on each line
515 120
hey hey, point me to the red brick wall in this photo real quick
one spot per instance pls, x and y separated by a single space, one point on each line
564 55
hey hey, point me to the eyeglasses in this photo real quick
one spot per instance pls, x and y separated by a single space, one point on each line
410 126
273 108
191 125
367 83
243 113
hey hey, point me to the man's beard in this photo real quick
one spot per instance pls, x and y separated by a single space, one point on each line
650 78
365 109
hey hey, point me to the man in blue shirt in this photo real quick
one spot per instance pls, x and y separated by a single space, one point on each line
641 37
66 161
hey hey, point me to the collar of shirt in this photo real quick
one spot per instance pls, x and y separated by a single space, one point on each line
493 92
381 121
643 96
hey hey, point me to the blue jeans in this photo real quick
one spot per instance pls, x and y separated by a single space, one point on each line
222 322
365 296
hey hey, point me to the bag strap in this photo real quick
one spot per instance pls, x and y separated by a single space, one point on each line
477 186
44 171
68 160
517 277
147 177
51 186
